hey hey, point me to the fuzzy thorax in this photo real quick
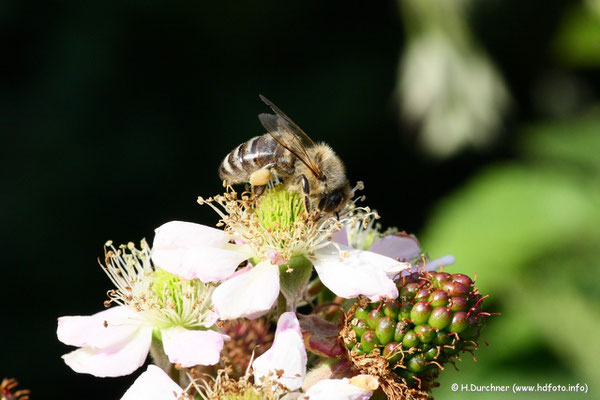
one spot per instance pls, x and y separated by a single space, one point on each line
329 164
162 299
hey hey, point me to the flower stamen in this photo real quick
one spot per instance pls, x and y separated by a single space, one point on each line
164 299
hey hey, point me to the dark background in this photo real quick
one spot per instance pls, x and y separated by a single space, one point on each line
116 114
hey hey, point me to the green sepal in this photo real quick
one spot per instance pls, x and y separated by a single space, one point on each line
293 279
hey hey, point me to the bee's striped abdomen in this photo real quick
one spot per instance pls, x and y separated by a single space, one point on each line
253 155
258 152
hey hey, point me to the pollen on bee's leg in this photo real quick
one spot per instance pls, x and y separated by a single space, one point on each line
260 177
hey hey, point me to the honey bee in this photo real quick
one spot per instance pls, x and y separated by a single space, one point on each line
309 168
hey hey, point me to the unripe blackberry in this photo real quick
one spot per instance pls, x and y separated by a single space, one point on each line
392 309
436 316
423 294
425 333
439 298
409 291
420 312
360 327
374 317
410 340
361 313
385 330
400 330
393 351
440 317
368 341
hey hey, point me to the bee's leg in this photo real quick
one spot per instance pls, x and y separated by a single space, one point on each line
307 204
306 191
258 190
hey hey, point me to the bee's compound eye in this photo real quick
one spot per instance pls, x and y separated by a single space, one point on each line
322 203
331 202
305 185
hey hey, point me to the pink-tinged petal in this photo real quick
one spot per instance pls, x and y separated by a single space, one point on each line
399 246
287 354
196 251
154 384
438 263
432 265
250 294
210 319
117 360
104 329
358 272
321 336
189 348
340 237
336 389
242 270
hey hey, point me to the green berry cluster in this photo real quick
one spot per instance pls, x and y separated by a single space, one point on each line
436 316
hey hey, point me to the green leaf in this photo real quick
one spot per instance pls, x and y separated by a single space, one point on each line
505 217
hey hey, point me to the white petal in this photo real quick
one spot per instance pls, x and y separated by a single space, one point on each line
196 251
341 237
287 354
189 348
154 384
209 264
117 360
336 389
397 246
357 273
187 234
249 294
293 396
104 329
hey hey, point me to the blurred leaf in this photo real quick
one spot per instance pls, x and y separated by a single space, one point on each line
530 230
568 320
511 328
506 216
578 40
576 141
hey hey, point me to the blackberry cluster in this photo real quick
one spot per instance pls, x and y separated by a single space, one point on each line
436 316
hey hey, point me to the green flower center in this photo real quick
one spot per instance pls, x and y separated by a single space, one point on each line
280 209
166 287
178 302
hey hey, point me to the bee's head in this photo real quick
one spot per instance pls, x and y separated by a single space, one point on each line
333 201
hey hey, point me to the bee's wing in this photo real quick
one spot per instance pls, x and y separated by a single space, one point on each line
288 134
295 128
